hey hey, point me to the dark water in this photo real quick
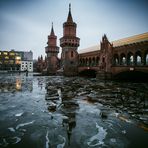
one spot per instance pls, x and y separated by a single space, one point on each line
59 112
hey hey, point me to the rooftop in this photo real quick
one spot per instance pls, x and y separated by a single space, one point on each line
120 42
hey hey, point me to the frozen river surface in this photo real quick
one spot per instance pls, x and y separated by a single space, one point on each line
60 112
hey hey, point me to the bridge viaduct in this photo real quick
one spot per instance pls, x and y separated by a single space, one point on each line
110 59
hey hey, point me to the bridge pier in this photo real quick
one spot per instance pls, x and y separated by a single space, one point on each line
102 75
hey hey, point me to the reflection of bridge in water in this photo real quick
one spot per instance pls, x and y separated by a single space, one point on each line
129 55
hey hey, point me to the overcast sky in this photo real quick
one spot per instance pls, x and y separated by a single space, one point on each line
25 24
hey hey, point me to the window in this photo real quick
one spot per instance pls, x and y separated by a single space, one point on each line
5 53
12 53
6 57
71 53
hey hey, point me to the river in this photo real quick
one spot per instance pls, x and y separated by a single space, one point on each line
72 112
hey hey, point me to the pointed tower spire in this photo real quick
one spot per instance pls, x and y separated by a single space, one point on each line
52 30
69 18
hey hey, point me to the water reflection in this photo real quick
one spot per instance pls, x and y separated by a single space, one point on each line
12 83
62 96
18 84
59 101
72 112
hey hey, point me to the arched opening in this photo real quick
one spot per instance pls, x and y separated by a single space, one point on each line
122 59
89 61
80 62
116 59
93 62
97 61
130 59
83 62
138 58
88 73
146 58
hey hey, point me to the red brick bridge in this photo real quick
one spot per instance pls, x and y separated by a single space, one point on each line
110 59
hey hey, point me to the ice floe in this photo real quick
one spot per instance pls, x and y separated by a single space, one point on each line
62 144
47 140
24 124
18 115
11 129
98 138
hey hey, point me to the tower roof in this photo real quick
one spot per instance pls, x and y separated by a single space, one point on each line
69 18
52 31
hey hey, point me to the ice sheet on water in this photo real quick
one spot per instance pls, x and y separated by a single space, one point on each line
24 124
47 140
62 144
16 140
19 114
12 140
4 143
99 137
113 140
11 129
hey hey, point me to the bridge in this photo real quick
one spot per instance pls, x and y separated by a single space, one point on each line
128 56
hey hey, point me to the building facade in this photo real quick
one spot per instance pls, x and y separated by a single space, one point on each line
10 61
16 61
26 61
41 65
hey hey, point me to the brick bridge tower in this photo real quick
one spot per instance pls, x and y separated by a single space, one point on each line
52 51
69 43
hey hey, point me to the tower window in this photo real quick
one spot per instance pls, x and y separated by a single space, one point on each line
71 53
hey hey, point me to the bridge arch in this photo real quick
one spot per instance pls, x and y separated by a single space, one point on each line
88 73
131 75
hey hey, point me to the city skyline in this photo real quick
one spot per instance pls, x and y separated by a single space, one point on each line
25 25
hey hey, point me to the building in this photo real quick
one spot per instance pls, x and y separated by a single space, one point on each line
26 61
52 51
41 65
26 66
10 61
16 61
69 43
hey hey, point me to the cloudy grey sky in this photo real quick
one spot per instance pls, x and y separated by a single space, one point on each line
25 24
